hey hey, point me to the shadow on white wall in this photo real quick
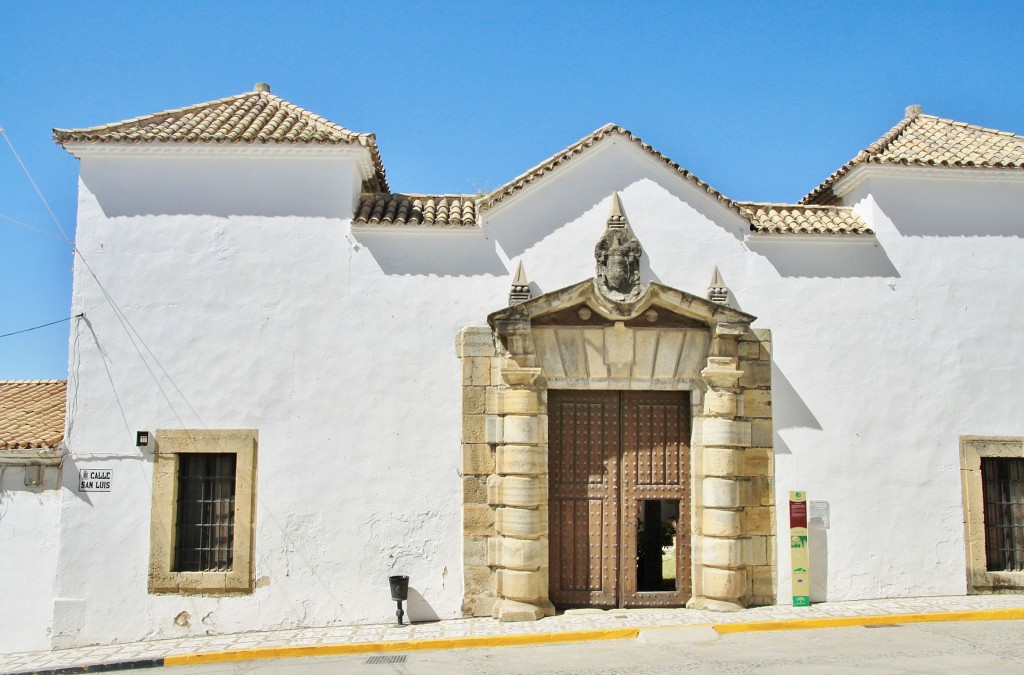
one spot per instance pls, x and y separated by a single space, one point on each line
834 258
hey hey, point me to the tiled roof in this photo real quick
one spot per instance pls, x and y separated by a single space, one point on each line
607 131
763 218
432 211
254 117
31 413
802 219
926 140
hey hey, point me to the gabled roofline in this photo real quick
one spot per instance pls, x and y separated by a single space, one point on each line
610 130
825 193
108 134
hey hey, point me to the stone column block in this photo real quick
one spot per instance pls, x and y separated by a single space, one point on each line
493 430
519 585
725 432
723 584
759 551
473 400
520 523
761 434
515 554
524 460
764 581
478 519
757 403
759 519
474 429
720 523
720 403
513 401
721 552
721 493
514 491
521 429
476 371
479 580
474 341
723 462
477 459
756 375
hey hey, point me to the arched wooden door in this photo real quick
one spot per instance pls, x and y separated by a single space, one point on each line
619 498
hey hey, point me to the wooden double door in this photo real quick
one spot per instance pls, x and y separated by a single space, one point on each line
619 498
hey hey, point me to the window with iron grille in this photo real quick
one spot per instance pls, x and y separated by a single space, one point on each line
1003 489
204 533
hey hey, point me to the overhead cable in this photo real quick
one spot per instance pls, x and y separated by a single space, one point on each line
52 323
35 186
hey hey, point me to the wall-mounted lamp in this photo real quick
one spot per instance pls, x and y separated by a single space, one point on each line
141 439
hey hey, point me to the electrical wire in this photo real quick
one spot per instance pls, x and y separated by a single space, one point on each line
34 228
129 329
35 186
52 323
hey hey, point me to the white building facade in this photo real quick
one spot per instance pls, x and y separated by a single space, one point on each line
340 383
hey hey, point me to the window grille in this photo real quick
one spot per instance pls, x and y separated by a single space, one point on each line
204 535
1003 488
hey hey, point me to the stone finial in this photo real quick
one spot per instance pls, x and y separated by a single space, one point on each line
262 87
912 111
618 255
616 215
520 287
718 292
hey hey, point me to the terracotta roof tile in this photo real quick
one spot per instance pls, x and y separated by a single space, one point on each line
254 117
802 219
763 218
410 210
31 413
926 140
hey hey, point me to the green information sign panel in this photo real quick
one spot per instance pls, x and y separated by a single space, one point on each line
798 549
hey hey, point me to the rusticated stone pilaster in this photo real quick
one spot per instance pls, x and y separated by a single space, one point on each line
721 567
518 552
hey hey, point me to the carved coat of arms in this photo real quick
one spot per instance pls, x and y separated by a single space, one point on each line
618 255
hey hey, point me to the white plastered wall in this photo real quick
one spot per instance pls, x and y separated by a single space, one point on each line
29 529
339 348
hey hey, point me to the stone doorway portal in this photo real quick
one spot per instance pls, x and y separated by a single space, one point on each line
619 502
613 337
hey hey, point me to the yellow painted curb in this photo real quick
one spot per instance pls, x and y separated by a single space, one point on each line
843 621
401 646
579 636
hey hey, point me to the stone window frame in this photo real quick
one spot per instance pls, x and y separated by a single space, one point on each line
170 444
972 450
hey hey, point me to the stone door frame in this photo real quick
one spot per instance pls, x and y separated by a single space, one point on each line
507 369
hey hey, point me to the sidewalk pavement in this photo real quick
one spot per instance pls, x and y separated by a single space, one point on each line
574 625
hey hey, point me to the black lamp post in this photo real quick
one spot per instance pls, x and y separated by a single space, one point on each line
399 592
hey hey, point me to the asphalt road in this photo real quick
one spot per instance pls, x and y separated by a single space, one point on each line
953 647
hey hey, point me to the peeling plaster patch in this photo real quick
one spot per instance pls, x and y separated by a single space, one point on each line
303 542
407 546
182 620
263 582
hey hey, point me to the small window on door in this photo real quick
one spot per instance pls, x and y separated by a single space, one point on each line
656 557
1003 489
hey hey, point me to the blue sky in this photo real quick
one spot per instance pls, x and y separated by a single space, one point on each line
762 100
